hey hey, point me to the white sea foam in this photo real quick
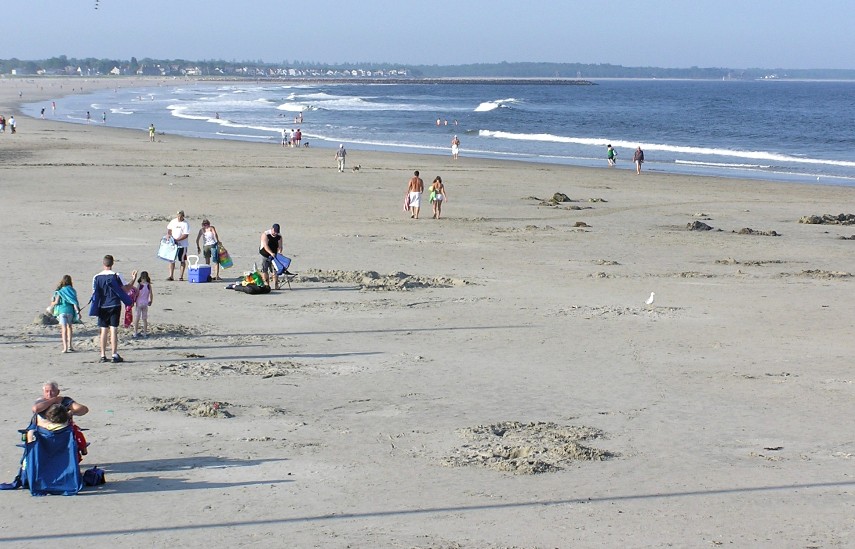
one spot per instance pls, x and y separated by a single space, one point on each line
353 104
496 104
295 107
599 142
723 164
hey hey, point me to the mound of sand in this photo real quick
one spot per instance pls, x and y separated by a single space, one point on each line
191 406
266 369
525 448
372 280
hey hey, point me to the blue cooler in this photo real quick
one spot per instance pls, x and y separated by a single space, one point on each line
197 273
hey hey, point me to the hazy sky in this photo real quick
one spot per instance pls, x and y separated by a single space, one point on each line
664 33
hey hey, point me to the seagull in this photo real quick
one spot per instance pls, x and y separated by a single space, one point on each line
650 299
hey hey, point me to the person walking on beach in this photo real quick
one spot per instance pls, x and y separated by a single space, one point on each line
455 148
179 230
12 125
151 132
129 309
611 155
108 294
340 155
65 307
210 241
104 117
415 188
437 196
638 158
43 113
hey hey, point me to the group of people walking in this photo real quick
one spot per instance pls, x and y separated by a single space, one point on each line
109 292
292 139
208 245
10 122
637 158
413 198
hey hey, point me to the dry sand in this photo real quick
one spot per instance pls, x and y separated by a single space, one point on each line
493 379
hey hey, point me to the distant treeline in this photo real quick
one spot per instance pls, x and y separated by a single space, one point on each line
178 67
582 70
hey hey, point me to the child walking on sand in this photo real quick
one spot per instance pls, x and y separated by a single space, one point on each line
129 309
65 307
144 298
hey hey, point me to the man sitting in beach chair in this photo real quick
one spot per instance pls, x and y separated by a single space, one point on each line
51 396
50 461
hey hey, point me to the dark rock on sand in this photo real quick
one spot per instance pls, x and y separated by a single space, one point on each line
747 230
698 226
828 219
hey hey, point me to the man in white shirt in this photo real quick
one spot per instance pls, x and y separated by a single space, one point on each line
179 230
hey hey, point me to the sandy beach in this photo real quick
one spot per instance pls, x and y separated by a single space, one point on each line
492 379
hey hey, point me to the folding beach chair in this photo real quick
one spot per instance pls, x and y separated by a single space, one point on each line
49 464
282 263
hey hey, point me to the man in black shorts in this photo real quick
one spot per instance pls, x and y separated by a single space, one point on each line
270 245
108 294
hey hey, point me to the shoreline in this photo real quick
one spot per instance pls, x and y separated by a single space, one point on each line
690 169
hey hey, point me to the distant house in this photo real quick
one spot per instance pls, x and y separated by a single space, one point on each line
116 71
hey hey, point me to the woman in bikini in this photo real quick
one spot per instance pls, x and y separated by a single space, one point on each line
438 195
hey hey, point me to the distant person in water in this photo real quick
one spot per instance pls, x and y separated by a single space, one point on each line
611 155
638 158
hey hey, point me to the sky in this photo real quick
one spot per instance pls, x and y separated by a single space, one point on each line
791 34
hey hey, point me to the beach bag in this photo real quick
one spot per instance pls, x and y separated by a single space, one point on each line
223 257
168 250
252 289
94 477
253 278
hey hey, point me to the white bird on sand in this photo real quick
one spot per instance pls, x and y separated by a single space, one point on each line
650 299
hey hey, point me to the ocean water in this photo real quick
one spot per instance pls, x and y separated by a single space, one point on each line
773 130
